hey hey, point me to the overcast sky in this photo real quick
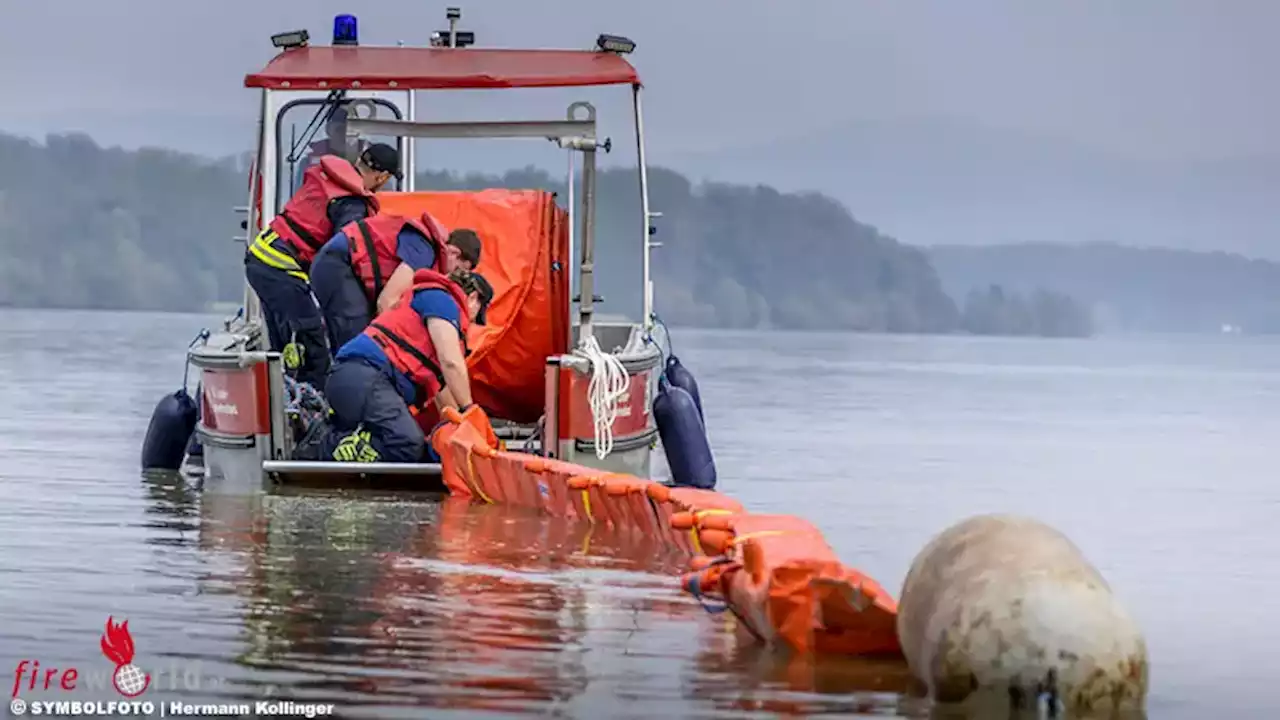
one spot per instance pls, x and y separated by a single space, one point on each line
1170 79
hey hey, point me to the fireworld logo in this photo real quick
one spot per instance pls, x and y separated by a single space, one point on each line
116 643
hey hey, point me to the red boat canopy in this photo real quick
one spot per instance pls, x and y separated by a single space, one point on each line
400 68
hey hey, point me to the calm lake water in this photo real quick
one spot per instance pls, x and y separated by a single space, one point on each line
1157 456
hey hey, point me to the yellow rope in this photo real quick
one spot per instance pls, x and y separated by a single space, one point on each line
697 544
471 479
762 533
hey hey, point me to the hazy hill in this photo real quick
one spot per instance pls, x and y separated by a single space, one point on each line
86 226
936 182
925 181
1138 289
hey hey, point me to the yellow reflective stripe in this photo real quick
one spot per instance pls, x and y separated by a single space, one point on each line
586 505
273 257
697 545
284 261
269 255
277 260
273 265
263 248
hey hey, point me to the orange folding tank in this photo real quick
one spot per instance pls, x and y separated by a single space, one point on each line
525 239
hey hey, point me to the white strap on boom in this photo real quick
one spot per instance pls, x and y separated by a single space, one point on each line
609 384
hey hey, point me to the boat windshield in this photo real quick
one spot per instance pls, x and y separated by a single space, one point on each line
308 129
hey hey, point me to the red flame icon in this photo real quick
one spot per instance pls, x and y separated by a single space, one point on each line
117 645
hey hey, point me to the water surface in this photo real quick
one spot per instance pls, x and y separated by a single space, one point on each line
1155 455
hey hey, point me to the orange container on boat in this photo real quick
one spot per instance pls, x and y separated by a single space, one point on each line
525 247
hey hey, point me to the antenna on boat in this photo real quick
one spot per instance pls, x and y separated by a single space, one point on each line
453 37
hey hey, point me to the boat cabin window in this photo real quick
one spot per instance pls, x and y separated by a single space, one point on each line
307 131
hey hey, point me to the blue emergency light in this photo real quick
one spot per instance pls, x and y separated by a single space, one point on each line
345 31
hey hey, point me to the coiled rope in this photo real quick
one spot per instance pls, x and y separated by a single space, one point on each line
609 384
304 401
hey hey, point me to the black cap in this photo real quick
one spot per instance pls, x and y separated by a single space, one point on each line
382 158
474 282
485 291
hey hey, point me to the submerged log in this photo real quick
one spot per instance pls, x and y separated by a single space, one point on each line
1003 613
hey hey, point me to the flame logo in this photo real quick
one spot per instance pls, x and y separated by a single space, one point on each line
117 645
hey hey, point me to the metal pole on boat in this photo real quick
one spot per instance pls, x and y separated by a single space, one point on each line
573 221
252 307
647 280
586 265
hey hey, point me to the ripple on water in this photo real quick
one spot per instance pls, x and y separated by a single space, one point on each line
391 608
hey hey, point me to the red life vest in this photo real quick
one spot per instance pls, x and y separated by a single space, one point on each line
402 335
375 243
304 222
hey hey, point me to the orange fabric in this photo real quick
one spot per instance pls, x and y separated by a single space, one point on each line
525 242
776 572
786 584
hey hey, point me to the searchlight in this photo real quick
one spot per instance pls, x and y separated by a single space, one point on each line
615 44
292 39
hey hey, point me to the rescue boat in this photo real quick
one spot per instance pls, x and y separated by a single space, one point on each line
534 358
569 404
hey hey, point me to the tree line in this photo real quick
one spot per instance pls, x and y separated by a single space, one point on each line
1130 289
83 226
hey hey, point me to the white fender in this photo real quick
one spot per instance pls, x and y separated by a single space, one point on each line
1005 610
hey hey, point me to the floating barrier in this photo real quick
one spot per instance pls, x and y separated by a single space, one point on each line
1000 610
775 573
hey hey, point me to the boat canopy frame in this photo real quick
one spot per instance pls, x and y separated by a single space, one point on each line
383 71
573 134
426 68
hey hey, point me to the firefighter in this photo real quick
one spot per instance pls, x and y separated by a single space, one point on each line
334 193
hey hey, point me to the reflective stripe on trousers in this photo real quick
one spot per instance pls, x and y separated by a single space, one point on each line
263 248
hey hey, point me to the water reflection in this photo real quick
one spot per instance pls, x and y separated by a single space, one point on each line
389 607
172 509
946 427
381 605
746 677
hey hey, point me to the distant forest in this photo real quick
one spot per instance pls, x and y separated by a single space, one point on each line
1129 289
88 227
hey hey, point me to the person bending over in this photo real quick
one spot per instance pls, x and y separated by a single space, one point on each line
404 359
371 263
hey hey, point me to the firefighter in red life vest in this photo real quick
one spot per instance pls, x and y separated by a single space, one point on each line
333 194
410 355
370 264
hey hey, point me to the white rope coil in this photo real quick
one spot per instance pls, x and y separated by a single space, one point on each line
609 384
